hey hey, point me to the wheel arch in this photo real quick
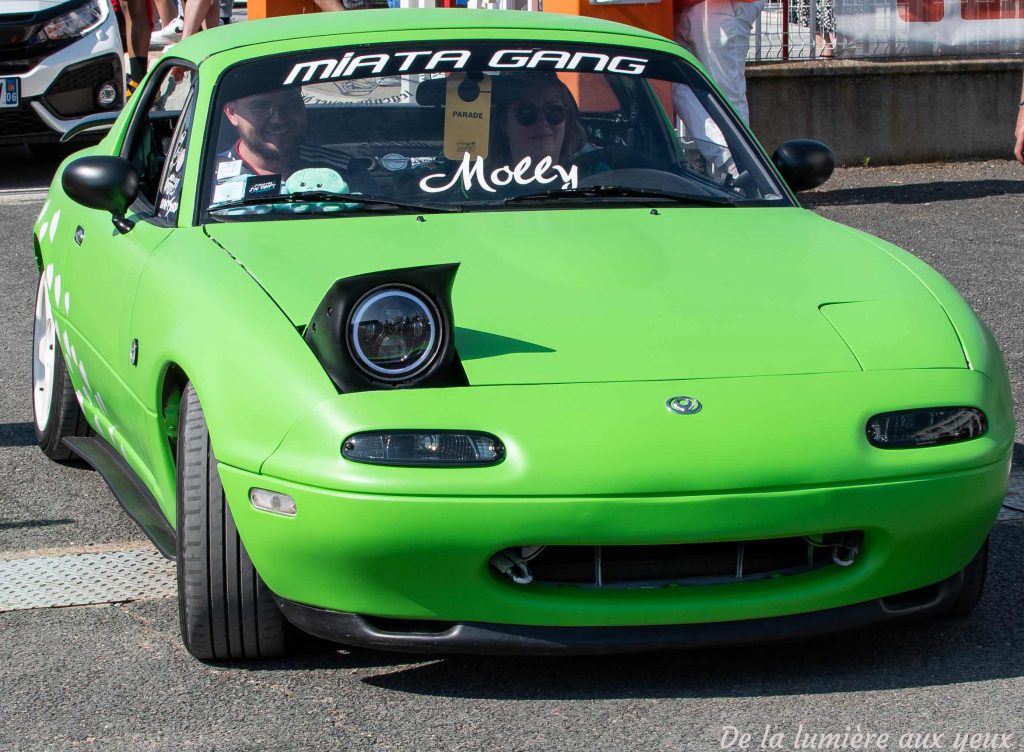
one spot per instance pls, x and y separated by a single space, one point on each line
172 385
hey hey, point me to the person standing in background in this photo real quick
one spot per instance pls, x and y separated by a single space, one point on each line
135 22
824 24
1018 147
167 11
717 32
172 21
332 5
199 15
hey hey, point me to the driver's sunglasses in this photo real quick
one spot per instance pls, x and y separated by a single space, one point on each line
260 112
527 114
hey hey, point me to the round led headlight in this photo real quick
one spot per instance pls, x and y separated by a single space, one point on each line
394 333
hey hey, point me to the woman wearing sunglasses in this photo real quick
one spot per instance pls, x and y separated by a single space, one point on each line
536 117
533 116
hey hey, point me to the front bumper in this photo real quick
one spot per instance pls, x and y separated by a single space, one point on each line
505 639
427 558
606 465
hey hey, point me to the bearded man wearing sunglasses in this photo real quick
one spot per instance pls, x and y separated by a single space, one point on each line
269 128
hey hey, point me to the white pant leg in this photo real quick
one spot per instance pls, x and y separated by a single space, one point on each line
717 32
707 136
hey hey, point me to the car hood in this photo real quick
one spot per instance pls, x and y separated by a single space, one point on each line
627 294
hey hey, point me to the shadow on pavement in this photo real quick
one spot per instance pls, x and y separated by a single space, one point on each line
915 193
17 435
23 171
23 524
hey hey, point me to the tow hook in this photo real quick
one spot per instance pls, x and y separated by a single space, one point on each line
512 563
844 553
844 556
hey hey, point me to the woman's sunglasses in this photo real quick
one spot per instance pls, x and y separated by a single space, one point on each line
527 114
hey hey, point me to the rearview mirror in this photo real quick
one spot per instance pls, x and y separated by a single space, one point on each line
105 183
804 163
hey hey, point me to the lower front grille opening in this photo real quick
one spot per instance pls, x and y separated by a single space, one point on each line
679 564
408 626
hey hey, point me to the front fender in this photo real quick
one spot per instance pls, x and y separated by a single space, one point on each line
980 347
196 307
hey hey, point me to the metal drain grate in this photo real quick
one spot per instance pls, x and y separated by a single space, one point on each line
85 579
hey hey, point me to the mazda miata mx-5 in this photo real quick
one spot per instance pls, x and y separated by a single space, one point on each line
498 332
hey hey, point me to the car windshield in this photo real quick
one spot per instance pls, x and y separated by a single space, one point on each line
477 126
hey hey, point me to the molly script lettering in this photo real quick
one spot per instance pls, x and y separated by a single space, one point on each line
471 172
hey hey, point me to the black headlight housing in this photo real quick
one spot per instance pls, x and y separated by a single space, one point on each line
388 329
925 427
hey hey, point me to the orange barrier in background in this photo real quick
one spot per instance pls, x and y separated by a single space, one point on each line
656 17
269 8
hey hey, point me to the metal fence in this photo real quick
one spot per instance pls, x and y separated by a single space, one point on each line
849 29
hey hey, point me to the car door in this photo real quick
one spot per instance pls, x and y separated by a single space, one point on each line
103 272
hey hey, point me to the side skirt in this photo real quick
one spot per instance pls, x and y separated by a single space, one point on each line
129 491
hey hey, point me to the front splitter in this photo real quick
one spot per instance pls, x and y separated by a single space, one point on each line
510 639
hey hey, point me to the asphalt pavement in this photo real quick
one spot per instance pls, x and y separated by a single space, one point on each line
115 676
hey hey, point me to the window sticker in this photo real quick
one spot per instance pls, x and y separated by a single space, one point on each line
232 190
168 206
230 169
170 191
394 162
262 185
471 173
351 65
467 115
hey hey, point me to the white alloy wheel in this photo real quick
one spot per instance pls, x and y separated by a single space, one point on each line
44 342
54 403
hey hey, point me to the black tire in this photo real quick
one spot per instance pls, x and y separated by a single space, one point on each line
64 417
225 609
974 583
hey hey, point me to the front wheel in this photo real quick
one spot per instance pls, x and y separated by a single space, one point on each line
226 610
55 409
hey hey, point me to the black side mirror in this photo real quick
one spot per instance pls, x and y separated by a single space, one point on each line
105 183
804 164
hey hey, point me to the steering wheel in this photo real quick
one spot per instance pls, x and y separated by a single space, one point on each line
612 156
646 178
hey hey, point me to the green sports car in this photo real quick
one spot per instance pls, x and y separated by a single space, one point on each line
468 331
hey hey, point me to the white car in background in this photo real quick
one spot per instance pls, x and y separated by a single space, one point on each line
60 62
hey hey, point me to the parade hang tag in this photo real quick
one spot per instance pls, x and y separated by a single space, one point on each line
467 115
